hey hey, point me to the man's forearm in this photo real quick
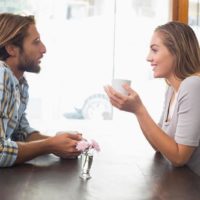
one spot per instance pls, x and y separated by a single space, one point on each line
30 150
62 145
36 136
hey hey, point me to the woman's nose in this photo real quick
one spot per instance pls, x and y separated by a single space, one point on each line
148 58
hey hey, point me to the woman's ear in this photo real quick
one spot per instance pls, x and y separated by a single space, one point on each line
11 49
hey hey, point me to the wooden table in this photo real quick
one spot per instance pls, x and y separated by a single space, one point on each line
125 169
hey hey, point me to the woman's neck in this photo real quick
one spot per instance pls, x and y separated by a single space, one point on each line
175 83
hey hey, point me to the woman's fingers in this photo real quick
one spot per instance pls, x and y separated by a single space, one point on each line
115 97
113 93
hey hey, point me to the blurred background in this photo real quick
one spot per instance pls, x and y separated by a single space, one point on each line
90 42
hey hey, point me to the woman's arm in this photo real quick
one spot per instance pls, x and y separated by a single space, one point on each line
176 153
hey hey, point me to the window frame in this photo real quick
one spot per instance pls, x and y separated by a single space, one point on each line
179 10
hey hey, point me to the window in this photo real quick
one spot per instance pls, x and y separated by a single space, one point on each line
194 16
88 43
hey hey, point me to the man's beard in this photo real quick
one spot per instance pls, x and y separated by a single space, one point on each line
27 64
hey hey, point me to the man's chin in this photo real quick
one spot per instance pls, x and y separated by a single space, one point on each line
36 70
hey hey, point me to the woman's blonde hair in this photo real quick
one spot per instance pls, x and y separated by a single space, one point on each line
13 30
181 41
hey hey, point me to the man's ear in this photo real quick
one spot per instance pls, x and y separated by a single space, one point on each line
11 49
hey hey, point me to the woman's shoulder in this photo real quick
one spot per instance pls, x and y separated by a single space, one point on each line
191 82
190 85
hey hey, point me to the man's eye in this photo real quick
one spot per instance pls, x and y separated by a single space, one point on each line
37 41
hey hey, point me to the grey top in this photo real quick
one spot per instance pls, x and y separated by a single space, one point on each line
184 125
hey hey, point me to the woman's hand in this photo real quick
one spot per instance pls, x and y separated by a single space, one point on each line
131 103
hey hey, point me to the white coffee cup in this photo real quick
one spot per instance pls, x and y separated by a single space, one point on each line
117 84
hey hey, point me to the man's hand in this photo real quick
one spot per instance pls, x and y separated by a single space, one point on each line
64 144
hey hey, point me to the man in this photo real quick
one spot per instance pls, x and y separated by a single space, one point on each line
20 51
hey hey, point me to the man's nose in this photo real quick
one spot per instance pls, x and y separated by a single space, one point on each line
43 48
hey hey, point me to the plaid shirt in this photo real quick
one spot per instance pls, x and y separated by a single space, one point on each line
13 123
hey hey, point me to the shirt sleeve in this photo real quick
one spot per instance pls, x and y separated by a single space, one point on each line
23 130
8 149
8 152
188 123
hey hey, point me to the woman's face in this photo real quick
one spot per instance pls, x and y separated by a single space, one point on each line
162 61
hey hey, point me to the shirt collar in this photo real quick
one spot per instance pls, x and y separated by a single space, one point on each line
21 81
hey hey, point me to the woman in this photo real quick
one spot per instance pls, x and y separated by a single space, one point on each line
175 56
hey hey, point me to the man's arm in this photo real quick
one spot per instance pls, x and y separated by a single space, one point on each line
30 150
8 149
63 145
8 152
35 136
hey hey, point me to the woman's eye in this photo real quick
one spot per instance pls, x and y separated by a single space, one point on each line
154 50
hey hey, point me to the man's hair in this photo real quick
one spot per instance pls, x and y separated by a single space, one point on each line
13 30
181 41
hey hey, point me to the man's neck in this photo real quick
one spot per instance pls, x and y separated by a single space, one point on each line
13 66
